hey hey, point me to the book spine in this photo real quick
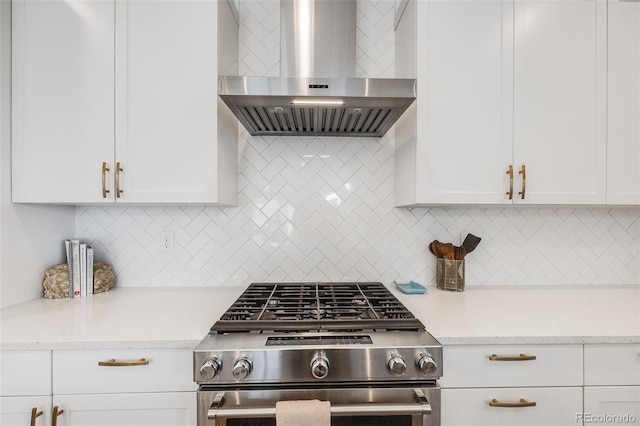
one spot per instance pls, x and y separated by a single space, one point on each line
75 256
89 270
67 248
83 269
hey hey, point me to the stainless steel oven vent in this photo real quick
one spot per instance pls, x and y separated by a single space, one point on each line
316 92
316 120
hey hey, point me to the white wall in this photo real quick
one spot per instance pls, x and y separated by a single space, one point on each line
31 237
322 209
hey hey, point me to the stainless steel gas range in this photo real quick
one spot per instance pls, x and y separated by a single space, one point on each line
353 344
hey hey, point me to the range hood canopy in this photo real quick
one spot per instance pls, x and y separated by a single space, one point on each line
317 93
317 106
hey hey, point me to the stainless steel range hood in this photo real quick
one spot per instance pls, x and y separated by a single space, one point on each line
316 92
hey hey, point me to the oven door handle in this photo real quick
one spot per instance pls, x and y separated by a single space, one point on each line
420 407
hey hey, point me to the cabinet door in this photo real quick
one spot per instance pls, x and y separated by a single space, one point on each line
136 409
612 405
560 100
464 105
166 101
62 99
623 115
18 410
470 407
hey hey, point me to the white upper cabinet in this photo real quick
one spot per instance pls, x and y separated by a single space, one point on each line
454 144
560 100
623 127
502 85
117 102
63 103
167 139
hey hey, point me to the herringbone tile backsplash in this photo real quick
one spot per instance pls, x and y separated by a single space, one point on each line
322 209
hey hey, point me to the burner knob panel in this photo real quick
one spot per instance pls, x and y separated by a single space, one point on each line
241 368
210 368
426 363
396 364
320 365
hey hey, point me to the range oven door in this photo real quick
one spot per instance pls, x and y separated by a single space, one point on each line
350 406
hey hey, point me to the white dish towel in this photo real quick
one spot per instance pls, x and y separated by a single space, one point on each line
303 413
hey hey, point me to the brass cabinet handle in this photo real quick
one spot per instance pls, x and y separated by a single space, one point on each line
34 415
510 173
113 363
118 170
105 169
523 172
521 357
56 413
522 403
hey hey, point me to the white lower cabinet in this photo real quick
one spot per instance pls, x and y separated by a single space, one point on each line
612 365
612 384
25 410
136 387
611 404
127 409
25 388
511 406
512 385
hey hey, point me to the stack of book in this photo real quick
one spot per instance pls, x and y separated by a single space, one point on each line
80 261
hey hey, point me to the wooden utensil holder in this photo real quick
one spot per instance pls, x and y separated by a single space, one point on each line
450 274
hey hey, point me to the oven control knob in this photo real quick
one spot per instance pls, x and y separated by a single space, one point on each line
241 368
320 366
210 368
426 363
396 364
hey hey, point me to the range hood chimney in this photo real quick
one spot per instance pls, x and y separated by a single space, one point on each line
317 93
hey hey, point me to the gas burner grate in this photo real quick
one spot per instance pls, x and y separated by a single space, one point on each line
316 306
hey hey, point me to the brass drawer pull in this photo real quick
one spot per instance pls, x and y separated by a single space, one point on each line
56 413
113 363
523 403
521 357
34 415
523 172
510 173
105 169
118 170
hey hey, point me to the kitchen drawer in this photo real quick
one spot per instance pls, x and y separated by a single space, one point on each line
470 407
25 373
78 372
612 364
471 366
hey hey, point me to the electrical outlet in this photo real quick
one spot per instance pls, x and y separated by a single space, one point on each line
166 242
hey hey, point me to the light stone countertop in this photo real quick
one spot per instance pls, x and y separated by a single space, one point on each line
530 314
180 317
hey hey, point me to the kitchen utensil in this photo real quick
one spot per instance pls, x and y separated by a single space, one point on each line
470 243
448 251
436 248
431 249
460 252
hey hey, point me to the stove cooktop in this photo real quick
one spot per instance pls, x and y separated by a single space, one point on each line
300 307
291 334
